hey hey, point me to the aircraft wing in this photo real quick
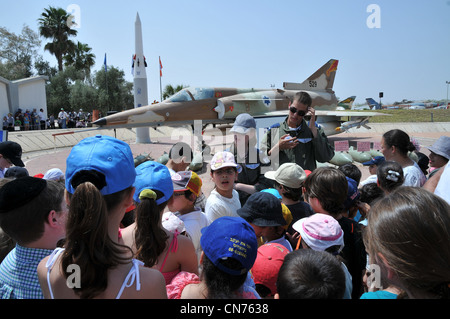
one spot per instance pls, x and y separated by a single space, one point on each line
325 113
348 113
254 100
272 114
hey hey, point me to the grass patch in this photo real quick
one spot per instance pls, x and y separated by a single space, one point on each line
408 116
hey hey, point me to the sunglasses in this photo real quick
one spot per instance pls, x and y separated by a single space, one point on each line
299 112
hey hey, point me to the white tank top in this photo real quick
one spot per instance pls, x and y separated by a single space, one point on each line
133 274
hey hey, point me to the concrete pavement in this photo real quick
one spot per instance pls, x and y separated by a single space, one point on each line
43 150
33 141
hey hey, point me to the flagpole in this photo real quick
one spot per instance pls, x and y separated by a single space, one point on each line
106 83
160 76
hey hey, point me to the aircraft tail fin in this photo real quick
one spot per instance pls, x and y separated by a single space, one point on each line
347 103
321 80
373 104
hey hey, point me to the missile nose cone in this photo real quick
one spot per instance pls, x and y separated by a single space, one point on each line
138 18
100 122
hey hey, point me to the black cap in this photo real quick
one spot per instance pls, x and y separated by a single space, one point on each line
13 152
262 209
19 192
16 172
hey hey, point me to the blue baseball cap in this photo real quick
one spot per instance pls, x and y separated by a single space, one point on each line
155 176
377 160
243 124
272 191
353 193
230 237
107 155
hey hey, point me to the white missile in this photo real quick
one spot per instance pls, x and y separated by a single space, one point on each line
350 124
140 80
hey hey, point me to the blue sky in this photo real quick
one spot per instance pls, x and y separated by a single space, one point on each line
259 43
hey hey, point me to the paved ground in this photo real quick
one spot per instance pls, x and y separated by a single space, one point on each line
43 150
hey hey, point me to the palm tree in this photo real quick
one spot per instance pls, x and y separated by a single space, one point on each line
81 58
54 25
169 90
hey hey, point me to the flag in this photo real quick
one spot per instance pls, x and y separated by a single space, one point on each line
104 62
160 67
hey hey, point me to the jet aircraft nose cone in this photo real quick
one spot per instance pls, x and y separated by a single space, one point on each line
100 122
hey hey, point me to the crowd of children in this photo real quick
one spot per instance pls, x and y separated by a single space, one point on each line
138 232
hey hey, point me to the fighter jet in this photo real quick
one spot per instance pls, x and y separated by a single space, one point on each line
373 104
221 105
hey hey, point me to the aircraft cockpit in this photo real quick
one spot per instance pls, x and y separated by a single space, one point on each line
192 94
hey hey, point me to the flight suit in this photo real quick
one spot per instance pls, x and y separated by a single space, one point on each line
306 153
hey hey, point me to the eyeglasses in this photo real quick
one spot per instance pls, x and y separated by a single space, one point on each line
8 161
299 112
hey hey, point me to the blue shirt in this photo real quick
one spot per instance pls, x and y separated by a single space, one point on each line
380 294
18 273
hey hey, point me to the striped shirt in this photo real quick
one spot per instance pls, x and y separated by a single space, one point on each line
18 273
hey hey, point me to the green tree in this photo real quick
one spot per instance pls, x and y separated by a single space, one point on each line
58 91
17 53
70 90
54 25
43 68
81 58
170 90
83 96
60 88
116 94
